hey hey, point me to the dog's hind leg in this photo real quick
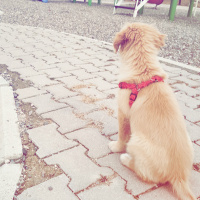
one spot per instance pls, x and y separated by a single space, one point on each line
132 164
140 159
123 134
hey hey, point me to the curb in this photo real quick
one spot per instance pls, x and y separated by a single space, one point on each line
10 142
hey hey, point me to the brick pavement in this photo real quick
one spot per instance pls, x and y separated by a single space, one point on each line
74 84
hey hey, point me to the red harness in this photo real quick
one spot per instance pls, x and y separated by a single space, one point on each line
137 87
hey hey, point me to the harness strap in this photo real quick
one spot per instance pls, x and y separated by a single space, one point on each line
135 88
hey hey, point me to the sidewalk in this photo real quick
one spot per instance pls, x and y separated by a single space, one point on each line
74 83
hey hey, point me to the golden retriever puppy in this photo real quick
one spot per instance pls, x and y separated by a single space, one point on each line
151 127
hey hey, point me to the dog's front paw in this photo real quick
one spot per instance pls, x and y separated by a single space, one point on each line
125 159
116 147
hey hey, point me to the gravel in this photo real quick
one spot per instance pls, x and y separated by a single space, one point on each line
98 22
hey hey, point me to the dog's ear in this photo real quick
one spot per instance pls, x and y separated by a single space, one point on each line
127 35
119 40
160 40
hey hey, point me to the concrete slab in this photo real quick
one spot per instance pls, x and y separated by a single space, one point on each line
10 141
9 176
3 82
55 188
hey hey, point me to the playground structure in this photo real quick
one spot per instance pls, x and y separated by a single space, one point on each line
138 6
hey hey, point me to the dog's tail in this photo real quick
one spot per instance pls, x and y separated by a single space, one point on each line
182 189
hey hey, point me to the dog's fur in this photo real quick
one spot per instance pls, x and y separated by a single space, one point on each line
152 131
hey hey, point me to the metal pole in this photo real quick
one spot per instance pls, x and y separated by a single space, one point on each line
141 10
89 2
190 8
173 9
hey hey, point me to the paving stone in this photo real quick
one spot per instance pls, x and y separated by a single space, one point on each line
9 176
27 71
59 91
15 65
41 80
79 167
188 100
41 65
55 188
90 51
106 75
194 77
82 74
27 59
30 48
92 139
188 81
193 130
65 118
110 105
55 73
113 190
78 104
46 48
113 69
90 68
49 140
170 68
70 81
76 61
188 90
66 67
83 56
29 92
134 184
51 59
92 92
166 191
112 92
16 52
189 114
101 84
114 137
39 54
97 62
44 103
110 124
196 153
182 72
59 54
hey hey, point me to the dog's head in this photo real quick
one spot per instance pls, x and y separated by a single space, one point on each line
138 35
